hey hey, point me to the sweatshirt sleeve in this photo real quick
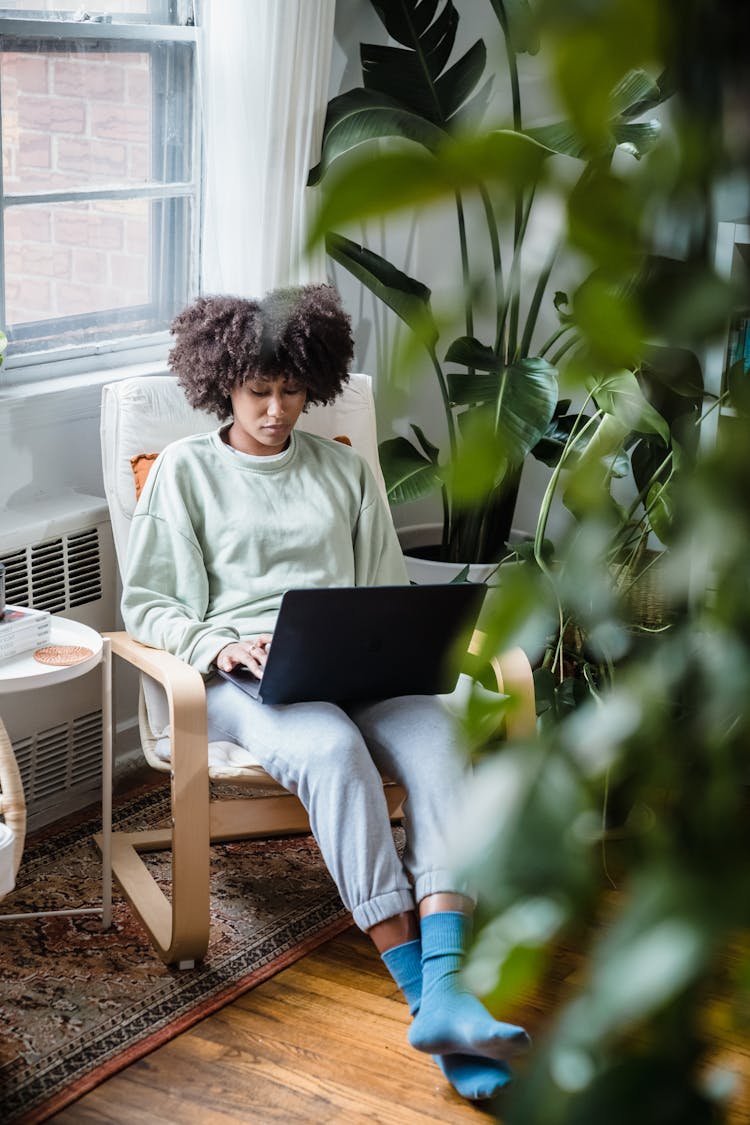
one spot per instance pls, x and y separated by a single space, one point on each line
165 591
378 558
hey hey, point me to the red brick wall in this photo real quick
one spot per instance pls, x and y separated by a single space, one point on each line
75 120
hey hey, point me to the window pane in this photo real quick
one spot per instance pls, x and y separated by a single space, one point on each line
147 11
103 261
86 119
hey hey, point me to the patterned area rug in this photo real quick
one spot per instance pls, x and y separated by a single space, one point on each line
77 1004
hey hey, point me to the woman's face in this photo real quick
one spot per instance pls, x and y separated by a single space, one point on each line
265 412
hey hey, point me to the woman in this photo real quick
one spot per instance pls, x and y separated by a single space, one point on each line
227 522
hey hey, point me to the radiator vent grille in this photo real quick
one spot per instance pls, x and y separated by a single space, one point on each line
60 758
56 575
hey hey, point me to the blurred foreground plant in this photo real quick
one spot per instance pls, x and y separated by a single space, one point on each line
668 739
670 736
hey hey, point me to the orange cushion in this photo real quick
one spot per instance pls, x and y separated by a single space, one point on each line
141 466
142 462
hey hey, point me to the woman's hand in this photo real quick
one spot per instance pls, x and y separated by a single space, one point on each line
253 654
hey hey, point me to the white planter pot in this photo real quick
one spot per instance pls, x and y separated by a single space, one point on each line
426 571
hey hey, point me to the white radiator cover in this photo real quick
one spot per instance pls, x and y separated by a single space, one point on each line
59 556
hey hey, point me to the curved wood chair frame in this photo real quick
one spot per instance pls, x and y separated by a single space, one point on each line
179 929
12 800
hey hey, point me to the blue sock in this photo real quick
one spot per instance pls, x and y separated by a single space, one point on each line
472 1077
450 1018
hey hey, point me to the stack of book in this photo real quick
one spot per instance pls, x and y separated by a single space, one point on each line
22 630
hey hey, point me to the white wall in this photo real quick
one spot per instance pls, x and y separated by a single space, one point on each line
49 442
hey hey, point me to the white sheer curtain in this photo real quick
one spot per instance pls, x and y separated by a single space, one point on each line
264 81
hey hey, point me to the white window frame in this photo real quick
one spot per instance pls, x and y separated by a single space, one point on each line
26 368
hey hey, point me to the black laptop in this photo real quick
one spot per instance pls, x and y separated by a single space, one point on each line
353 643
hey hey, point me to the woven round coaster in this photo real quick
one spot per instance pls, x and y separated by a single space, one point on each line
62 655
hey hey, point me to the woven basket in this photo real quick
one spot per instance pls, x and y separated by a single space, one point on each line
12 802
644 587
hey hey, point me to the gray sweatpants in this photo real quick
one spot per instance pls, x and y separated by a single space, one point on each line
332 760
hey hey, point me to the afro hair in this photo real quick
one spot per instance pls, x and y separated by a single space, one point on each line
300 333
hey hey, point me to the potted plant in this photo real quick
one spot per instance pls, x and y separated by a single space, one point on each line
499 391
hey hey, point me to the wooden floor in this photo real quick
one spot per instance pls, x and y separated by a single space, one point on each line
323 1041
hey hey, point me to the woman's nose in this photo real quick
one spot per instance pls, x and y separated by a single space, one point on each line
276 406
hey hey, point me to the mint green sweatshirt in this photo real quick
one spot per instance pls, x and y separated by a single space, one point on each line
217 538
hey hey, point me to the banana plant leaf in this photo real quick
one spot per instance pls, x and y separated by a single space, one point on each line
465 389
473 353
408 298
636 89
525 393
403 180
412 74
637 138
525 406
403 20
365 115
408 474
518 22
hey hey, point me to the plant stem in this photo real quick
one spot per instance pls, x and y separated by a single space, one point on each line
546 504
548 343
449 419
514 288
536 301
468 309
497 263
561 351
447 523
499 8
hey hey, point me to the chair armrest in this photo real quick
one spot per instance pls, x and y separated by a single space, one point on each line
184 688
515 679
161 665
173 925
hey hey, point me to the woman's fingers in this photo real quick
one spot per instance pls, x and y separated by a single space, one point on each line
253 654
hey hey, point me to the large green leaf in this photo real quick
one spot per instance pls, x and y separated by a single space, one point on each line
519 24
465 389
558 440
408 475
413 74
473 353
525 406
403 20
405 180
660 941
621 396
636 138
365 115
408 298
430 450
459 83
636 89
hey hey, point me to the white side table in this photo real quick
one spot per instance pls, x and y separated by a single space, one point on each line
23 673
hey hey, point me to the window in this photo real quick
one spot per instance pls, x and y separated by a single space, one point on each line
99 215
